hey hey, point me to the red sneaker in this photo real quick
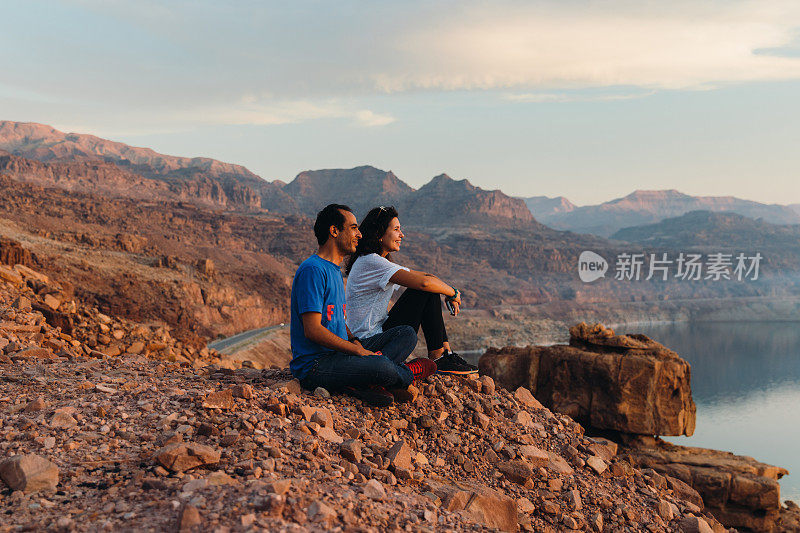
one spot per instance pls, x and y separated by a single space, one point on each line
421 367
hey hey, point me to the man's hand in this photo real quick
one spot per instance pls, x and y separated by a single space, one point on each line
363 352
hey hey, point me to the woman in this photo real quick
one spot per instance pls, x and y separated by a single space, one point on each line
373 277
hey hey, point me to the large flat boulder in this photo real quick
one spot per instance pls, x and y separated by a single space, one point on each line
626 383
29 473
738 490
484 506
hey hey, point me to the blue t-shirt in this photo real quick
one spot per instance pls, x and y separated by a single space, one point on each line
318 288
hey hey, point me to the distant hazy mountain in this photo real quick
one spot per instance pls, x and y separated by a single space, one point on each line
43 155
45 143
544 206
720 229
647 207
361 188
444 201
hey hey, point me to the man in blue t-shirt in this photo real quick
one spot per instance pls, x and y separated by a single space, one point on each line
324 352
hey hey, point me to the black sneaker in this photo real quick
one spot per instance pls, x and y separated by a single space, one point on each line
452 363
374 396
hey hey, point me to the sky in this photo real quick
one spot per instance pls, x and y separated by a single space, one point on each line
589 100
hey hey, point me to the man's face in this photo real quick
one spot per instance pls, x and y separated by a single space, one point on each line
347 237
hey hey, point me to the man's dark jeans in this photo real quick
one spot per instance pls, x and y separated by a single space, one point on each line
337 370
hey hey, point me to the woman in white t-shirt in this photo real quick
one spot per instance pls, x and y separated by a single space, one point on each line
373 277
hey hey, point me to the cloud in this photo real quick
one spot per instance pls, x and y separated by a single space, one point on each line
564 97
670 45
184 64
248 110
365 117
311 50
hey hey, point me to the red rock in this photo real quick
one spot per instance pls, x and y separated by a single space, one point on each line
517 471
558 464
373 489
596 522
36 405
10 275
62 419
35 352
189 519
292 386
488 386
525 397
595 463
482 504
534 456
664 510
182 456
319 511
29 473
219 400
242 391
694 524
523 418
351 450
603 448
574 500
136 348
329 435
277 408
399 455
322 417
52 302
280 486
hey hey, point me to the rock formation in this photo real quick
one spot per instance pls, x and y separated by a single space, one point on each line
623 383
740 491
629 388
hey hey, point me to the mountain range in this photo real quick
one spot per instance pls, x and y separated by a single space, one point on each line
648 207
707 228
42 155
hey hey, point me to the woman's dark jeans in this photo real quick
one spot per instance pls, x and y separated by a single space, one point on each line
338 370
417 308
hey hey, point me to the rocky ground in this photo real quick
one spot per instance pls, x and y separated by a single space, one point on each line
91 440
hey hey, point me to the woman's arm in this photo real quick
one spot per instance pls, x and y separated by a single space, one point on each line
414 279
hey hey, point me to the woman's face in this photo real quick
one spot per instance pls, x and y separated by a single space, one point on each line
390 242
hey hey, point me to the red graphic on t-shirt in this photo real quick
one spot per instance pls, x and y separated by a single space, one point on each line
330 312
344 310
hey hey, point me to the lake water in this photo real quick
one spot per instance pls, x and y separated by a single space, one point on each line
746 384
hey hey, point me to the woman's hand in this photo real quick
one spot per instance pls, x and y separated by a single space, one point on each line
456 306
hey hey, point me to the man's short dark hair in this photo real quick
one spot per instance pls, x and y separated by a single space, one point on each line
331 215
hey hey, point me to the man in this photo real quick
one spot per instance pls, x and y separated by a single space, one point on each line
324 352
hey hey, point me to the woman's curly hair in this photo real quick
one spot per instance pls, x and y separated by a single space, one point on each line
372 229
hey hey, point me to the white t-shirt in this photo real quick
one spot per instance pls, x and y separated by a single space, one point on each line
368 292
